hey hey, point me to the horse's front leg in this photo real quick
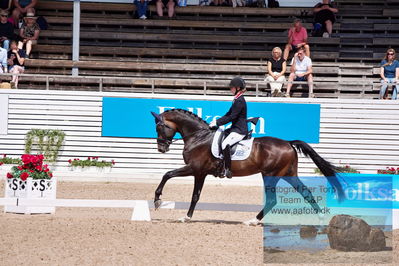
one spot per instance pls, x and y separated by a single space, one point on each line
198 184
184 171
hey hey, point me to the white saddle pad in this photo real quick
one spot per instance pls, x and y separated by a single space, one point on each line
244 147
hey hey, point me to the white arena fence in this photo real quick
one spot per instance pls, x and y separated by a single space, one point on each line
141 208
358 132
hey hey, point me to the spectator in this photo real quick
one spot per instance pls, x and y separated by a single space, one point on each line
236 3
5 4
324 16
22 7
389 74
170 4
217 3
3 60
29 33
297 37
16 61
301 70
6 30
141 8
276 68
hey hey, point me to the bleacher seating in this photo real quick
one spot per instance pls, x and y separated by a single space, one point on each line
209 45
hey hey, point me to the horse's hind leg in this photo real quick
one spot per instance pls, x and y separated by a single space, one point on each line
270 183
184 171
296 183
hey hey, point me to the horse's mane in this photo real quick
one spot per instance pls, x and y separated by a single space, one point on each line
190 114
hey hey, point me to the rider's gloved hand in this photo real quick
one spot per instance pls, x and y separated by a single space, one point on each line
212 125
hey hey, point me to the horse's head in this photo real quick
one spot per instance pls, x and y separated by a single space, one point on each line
165 133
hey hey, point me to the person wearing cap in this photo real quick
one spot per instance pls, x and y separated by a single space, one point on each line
22 7
29 33
6 29
237 115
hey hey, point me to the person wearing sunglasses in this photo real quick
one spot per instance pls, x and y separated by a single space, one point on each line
389 74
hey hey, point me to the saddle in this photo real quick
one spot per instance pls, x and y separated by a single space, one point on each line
239 151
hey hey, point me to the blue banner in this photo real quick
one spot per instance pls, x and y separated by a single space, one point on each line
366 191
131 117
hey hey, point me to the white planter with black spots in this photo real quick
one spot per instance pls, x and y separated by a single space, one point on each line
30 189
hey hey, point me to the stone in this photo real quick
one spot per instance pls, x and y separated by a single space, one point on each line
308 231
323 231
275 230
348 233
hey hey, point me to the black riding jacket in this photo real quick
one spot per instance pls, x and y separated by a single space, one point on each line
237 114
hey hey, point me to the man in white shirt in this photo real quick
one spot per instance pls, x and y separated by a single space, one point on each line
301 70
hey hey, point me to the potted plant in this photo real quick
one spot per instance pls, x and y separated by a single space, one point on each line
6 163
389 171
91 164
31 179
341 169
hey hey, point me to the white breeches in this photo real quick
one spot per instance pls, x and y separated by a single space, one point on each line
275 85
232 139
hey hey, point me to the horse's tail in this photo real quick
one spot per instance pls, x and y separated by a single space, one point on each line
328 170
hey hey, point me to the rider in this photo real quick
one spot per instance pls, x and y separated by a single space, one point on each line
237 114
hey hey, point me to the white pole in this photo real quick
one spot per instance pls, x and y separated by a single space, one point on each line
76 36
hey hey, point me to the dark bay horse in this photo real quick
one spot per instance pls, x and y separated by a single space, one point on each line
272 157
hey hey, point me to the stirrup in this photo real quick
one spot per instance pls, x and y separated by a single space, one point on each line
227 173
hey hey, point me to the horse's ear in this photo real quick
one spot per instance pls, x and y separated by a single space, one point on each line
157 117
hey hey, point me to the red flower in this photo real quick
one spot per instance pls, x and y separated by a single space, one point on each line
4 155
24 176
1 163
31 171
69 161
20 168
9 175
46 170
89 158
113 162
50 174
38 168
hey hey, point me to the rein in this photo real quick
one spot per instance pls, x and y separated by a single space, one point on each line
168 142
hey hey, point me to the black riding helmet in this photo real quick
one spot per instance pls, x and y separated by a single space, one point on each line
237 82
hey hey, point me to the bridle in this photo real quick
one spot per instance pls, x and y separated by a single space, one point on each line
167 141
164 139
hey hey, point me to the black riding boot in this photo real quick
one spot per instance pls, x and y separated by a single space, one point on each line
227 161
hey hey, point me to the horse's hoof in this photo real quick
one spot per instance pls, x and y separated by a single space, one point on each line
184 219
157 204
252 222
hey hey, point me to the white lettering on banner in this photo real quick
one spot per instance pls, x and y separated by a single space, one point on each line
198 113
395 194
261 126
164 108
362 191
3 114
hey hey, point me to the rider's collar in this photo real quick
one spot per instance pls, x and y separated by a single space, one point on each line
238 94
